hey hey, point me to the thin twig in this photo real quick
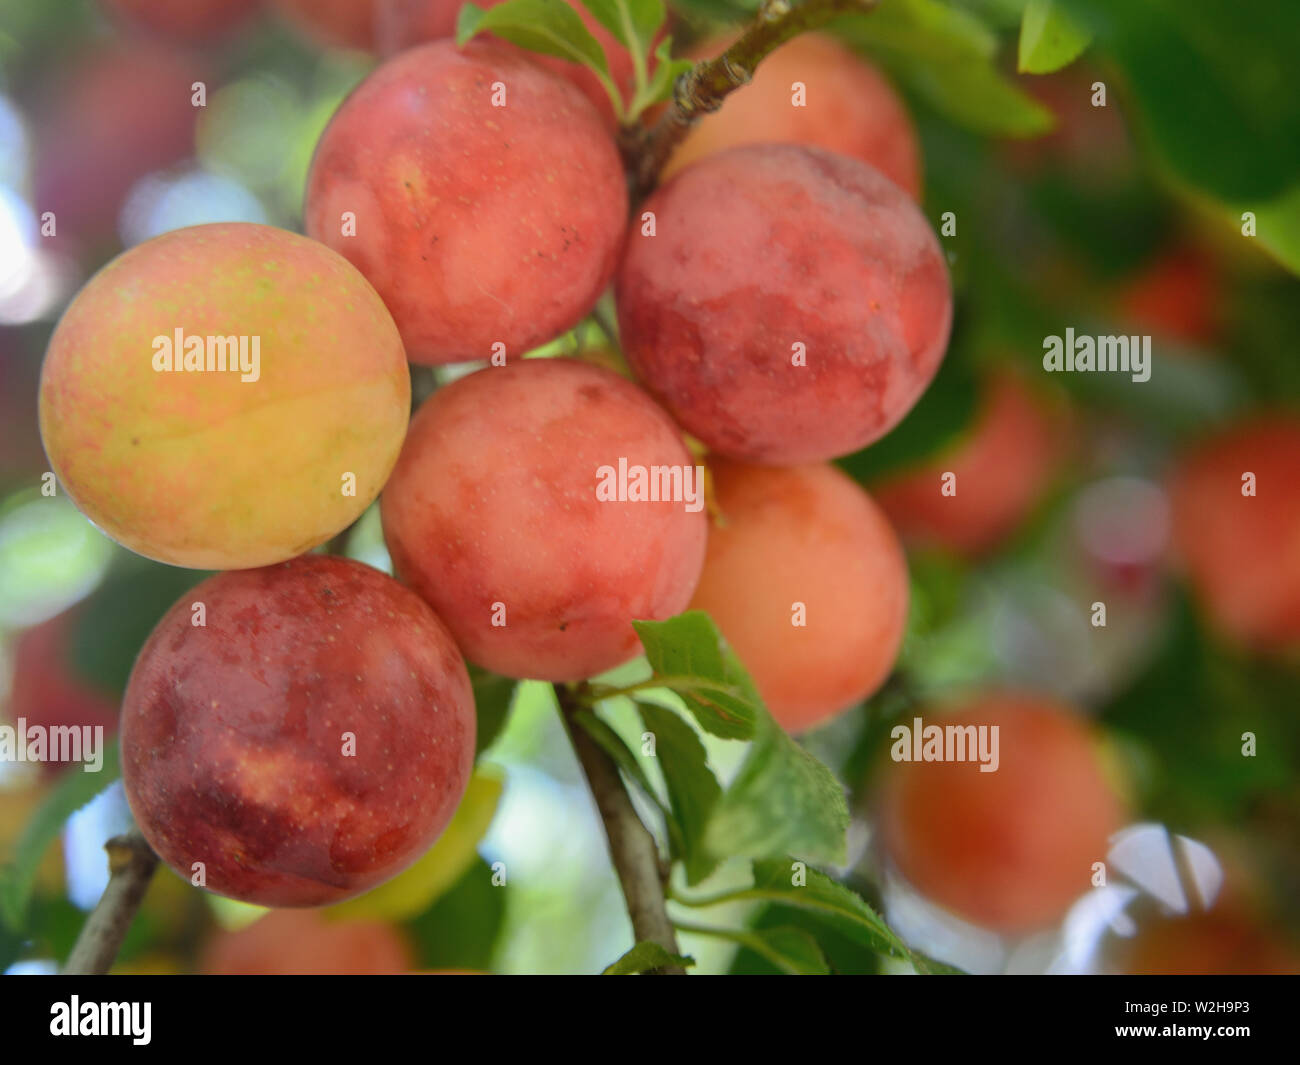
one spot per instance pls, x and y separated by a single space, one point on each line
631 846
131 865
703 88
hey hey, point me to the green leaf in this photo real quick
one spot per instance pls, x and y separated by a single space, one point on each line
644 957
551 27
789 950
693 790
492 698
1215 86
73 791
720 695
633 22
948 57
782 799
663 78
775 880
843 955
1049 38
1277 226
460 930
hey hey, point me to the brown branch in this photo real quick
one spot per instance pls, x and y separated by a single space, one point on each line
703 88
632 848
131 865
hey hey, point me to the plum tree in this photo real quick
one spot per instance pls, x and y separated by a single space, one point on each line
189 22
311 739
1008 849
1002 464
339 23
223 468
847 107
790 306
401 24
806 580
119 112
494 514
478 224
307 943
1235 522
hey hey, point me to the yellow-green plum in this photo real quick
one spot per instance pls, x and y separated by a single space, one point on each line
196 465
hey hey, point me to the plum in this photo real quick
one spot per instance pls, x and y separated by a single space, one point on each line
791 304
478 224
494 515
310 740
221 468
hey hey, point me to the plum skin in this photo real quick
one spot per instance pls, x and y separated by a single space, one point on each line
1241 554
1003 464
307 942
850 108
1009 850
233 746
493 500
810 535
477 224
203 469
191 22
757 249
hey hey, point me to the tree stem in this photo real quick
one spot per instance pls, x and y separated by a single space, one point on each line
707 84
631 846
131 865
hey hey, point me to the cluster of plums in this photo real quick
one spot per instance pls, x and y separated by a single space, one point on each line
300 726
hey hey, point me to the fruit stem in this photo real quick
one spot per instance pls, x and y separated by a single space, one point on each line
703 88
631 846
131 865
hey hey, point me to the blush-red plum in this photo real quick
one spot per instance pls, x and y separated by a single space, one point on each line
493 515
478 224
790 306
311 739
